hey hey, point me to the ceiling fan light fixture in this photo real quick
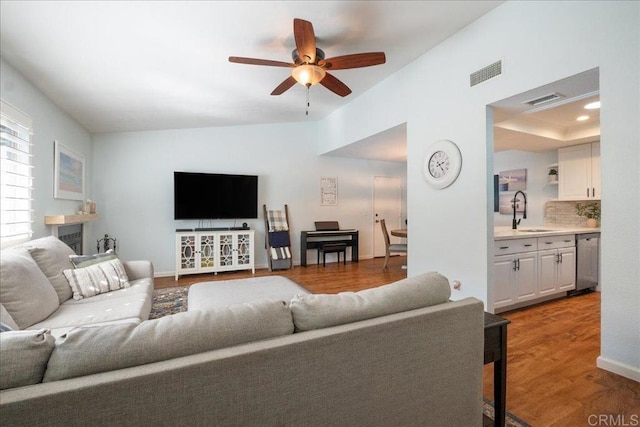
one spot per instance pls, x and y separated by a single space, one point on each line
592 105
308 75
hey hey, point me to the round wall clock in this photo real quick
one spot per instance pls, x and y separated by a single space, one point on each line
442 164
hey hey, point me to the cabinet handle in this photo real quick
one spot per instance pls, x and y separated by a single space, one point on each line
593 192
560 255
548 243
515 263
518 264
587 191
558 259
567 241
526 246
504 247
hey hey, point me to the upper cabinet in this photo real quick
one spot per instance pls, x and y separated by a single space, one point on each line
579 172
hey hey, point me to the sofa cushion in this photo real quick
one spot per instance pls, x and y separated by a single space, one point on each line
133 302
80 261
6 318
24 356
26 292
89 350
97 279
320 311
52 256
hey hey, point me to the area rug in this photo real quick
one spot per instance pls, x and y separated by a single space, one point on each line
169 301
174 300
510 419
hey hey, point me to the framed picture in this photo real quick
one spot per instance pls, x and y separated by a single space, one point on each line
68 173
507 201
513 180
328 191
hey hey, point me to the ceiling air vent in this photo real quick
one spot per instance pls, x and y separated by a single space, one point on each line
486 73
544 99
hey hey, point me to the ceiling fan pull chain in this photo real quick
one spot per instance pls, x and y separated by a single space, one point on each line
307 112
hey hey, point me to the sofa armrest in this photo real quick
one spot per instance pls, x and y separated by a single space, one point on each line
138 269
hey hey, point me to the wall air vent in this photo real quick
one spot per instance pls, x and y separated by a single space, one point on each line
486 73
544 99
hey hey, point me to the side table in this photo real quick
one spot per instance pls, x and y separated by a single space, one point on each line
495 350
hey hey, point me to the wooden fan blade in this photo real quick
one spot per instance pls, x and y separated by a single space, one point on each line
254 61
305 40
356 60
284 86
335 85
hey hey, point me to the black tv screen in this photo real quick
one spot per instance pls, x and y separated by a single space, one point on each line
215 196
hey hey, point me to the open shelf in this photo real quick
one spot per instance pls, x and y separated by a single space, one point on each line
69 219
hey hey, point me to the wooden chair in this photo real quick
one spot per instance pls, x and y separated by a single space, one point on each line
277 239
400 248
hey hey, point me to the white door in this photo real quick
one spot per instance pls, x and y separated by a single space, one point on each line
527 276
547 272
387 205
504 286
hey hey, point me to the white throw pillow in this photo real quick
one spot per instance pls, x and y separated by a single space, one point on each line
97 279
25 291
316 311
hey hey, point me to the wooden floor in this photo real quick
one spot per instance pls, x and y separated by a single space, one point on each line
552 379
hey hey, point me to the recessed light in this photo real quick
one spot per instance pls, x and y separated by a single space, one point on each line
582 118
592 105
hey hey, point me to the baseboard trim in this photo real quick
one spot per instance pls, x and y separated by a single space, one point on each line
627 371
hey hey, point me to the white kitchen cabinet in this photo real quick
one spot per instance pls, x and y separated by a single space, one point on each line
515 271
529 269
557 271
213 251
579 172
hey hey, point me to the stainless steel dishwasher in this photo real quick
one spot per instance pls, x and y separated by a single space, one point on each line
587 262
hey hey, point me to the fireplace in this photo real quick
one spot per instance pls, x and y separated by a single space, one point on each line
72 236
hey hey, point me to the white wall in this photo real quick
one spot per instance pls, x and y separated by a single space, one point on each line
50 123
134 184
538 188
539 43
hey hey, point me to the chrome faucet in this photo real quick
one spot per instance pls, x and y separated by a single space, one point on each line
524 214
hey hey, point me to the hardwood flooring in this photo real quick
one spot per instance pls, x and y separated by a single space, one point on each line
552 378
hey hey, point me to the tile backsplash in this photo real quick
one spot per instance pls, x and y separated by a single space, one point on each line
563 214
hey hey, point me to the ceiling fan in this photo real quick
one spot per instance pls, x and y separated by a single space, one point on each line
309 65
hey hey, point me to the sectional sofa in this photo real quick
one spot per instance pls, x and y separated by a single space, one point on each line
399 354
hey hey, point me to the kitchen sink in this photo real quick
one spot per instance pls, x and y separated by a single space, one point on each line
534 230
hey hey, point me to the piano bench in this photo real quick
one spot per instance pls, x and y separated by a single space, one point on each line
327 248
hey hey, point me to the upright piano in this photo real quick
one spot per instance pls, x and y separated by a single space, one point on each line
315 239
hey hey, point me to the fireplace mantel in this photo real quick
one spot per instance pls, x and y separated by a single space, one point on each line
69 219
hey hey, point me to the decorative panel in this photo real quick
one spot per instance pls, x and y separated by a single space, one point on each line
225 249
244 249
207 251
187 252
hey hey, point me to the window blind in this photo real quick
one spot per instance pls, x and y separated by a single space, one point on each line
16 174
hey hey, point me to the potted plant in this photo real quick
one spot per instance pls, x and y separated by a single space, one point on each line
553 175
591 211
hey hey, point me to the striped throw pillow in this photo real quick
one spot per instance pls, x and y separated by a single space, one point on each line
97 279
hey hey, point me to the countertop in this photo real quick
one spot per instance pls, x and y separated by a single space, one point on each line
506 233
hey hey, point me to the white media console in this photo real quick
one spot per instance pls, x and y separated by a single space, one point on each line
214 250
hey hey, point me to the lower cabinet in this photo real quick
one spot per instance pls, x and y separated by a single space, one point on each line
557 271
213 251
533 268
516 278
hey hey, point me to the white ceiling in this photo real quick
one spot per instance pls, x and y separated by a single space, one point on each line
549 126
149 65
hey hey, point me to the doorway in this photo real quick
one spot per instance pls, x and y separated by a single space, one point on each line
387 205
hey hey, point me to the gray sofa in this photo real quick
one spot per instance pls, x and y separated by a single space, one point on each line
400 354
36 295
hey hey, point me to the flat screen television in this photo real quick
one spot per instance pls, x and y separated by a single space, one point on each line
214 196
